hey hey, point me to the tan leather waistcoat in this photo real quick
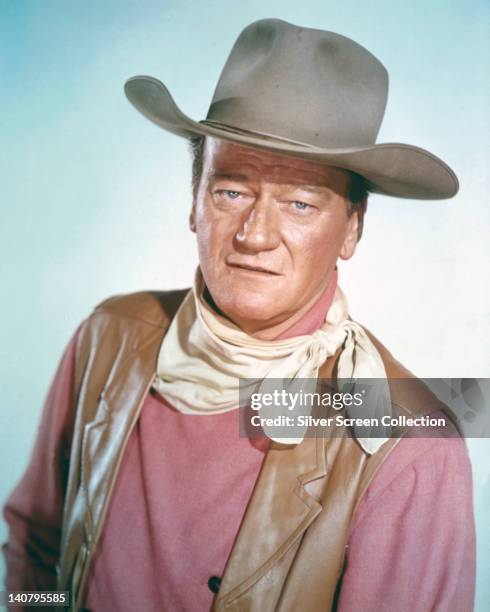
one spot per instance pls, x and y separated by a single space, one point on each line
290 549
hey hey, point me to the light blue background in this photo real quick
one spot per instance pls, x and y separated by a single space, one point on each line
94 199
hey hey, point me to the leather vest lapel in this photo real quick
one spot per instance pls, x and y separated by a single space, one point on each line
105 438
279 512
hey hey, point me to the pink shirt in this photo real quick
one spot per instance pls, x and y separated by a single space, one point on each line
411 547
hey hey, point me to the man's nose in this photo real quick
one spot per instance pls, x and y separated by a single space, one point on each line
260 228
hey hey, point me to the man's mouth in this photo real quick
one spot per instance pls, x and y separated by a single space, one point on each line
257 269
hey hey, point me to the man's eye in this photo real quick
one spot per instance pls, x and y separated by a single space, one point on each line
232 195
301 205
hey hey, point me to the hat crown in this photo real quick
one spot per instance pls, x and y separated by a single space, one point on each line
312 94
301 84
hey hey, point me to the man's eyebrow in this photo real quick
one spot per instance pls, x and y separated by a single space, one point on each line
237 176
230 176
311 188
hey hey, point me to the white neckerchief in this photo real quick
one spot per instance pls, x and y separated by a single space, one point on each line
203 356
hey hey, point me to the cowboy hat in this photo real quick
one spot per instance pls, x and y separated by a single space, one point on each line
308 93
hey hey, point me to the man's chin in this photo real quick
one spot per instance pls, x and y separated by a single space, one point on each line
249 302
253 313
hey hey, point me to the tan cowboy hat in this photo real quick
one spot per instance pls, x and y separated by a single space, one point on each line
310 94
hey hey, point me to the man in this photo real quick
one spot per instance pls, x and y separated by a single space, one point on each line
140 489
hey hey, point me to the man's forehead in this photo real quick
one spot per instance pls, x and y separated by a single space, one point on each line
224 159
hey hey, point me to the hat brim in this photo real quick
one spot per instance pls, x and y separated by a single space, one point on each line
394 169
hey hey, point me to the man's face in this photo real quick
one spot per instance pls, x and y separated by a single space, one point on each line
270 229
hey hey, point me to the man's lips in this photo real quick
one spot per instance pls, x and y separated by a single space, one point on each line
250 268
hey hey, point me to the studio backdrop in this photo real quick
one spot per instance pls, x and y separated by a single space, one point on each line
95 200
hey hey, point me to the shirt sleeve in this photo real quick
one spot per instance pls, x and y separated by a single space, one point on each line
412 543
34 509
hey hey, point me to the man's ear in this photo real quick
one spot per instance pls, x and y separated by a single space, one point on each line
192 218
350 241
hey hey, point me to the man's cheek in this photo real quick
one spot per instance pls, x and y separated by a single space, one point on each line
211 230
222 231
